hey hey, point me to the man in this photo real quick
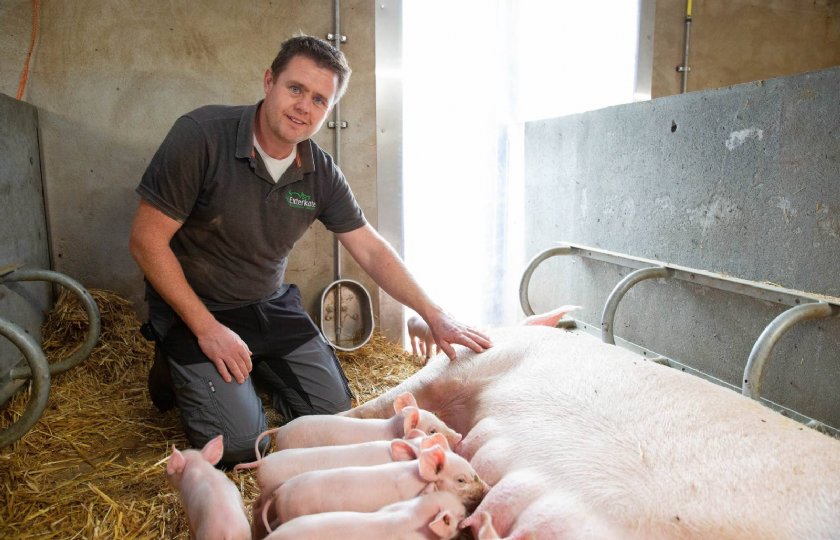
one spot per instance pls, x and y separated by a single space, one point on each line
223 201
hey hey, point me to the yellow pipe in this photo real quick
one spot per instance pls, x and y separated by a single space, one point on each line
688 9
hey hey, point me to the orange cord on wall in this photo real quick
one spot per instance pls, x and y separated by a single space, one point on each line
25 75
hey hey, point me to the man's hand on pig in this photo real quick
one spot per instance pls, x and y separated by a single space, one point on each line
446 332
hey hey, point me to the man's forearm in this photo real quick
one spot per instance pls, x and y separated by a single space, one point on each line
164 272
383 264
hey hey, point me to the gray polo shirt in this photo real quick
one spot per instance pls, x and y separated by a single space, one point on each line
238 226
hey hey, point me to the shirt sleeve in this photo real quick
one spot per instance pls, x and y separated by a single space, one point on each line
173 179
342 212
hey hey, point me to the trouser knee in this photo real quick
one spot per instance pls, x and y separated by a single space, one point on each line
210 407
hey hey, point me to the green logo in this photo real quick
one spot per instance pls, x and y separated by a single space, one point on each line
299 199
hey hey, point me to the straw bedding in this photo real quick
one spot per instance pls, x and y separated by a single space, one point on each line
93 465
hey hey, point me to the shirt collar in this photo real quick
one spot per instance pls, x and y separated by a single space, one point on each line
245 141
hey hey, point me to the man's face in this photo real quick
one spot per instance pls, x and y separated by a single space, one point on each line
296 105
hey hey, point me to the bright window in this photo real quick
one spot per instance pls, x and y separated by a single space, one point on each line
474 71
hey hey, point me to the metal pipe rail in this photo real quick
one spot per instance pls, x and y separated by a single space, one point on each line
40 381
618 293
805 305
39 370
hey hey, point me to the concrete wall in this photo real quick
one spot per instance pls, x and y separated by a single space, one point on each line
23 232
737 41
743 180
110 77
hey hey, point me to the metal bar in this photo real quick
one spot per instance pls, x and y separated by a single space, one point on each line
529 271
763 291
684 68
94 320
618 293
337 158
40 371
763 348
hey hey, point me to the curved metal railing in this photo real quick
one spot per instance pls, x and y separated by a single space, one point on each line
38 370
806 306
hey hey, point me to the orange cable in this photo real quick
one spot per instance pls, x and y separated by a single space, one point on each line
25 74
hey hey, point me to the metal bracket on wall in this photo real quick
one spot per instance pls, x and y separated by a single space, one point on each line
331 124
805 306
39 370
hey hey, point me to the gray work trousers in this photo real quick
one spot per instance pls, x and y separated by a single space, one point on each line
301 378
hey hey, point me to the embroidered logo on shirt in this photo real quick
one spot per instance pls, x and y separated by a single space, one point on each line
299 199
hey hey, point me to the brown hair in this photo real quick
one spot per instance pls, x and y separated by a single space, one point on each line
319 51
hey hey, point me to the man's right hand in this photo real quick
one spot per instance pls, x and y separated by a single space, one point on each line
227 351
151 234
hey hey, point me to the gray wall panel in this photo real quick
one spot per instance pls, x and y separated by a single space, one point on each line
23 234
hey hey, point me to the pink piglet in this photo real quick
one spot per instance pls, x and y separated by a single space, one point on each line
330 430
213 504
434 516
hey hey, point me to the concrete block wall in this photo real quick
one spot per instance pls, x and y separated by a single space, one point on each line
743 180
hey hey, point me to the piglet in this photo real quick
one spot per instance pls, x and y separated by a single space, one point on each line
213 504
433 516
282 465
422 342
330 430
367 489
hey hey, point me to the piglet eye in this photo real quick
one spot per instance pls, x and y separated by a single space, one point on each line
432 431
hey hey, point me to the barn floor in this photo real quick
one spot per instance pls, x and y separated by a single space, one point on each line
93 465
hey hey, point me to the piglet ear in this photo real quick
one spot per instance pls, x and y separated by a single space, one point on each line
176 462
430 462
411 418
402 451
404 400
442 524
414 433
436 439
486 531
213 450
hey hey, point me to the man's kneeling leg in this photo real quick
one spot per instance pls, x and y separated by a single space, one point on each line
210 406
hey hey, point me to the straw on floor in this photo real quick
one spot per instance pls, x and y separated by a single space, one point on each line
93 465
